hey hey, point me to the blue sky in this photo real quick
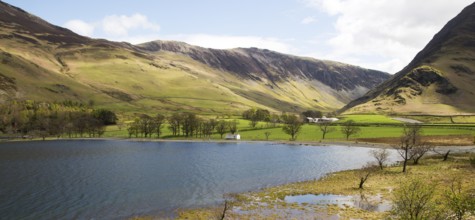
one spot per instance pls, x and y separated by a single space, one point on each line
377 34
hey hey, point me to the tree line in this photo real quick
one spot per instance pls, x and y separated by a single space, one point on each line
44 119
180 124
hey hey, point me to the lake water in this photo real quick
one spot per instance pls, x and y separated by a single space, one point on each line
105 179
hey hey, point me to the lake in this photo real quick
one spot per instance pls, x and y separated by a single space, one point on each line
114 179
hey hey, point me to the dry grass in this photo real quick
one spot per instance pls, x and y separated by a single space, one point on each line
270 204
446 140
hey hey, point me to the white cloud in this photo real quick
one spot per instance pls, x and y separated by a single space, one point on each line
137 29
309 20
120 25
115 27
228 42
80 27
384 33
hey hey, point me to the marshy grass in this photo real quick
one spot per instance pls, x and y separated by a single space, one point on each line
269 203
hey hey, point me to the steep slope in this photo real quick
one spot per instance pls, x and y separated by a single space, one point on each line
41 61
330 79
438 81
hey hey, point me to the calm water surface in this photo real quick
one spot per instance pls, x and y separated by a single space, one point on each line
119 179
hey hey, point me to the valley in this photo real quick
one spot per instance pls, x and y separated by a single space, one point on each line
167 129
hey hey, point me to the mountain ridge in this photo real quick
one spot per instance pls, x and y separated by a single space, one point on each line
47 62
446 61
309 68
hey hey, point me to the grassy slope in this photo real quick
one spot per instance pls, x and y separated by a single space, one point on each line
431 102
123 81
450 54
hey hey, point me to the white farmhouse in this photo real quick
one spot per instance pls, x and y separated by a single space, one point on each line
321 120
233 137
311 120
325 119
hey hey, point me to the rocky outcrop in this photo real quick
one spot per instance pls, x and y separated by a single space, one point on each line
446 64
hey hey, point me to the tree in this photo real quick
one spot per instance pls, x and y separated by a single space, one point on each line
292 126
459 201
175 122
100 131
207 128
256 115
107 117
263 114
381 156
445 155
349 128
267 134
190 124
325 127
158 121
365 172
41 130
273 120
232 125
414 200
221 127
133 129
248 114
253 122
225 209
312 114
409 139
418 151
146 127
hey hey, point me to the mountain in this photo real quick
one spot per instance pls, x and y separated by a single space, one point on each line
439 80
320 83
44 62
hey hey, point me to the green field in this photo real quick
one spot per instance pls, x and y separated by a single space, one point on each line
312 133
368 119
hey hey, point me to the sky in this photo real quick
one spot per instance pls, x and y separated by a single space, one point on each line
376 34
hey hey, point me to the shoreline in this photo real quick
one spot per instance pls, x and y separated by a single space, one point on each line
456 148
270 202
291 187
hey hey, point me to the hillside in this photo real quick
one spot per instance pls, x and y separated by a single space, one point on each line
41 61
438 81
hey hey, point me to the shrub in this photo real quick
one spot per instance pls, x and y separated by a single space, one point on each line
414 200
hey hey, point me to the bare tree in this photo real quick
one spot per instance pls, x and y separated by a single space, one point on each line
409 139
418 151
365 172
445 155
225 209
381 156
349 128
325 128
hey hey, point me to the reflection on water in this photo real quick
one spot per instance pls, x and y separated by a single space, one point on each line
372 203
120 179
